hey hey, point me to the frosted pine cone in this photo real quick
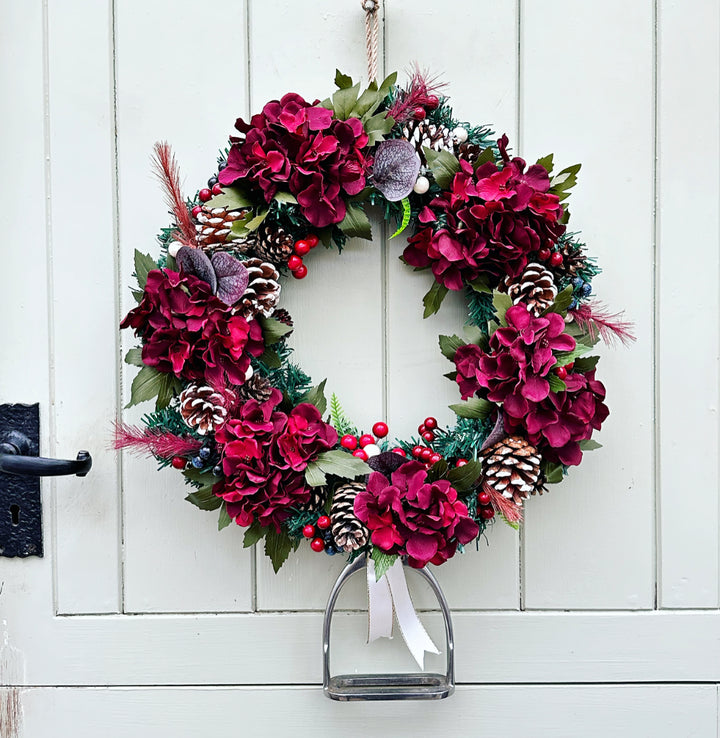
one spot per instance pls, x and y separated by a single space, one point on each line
422 134
535 288
214 230
274 244
256 388
348 532
263 290
318 498
203 408
512 468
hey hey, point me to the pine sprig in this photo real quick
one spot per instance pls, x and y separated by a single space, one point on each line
480 308
339 420
289 378
464 440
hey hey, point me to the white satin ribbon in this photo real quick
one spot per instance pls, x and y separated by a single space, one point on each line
390 594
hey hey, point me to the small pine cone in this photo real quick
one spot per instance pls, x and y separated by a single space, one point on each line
468 151
574 260
423 134
318 498
256 388
512 468
535 288
349 533
284 317
214 230
274 244
203 408
263 290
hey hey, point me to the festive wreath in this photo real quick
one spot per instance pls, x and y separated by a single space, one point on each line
242 421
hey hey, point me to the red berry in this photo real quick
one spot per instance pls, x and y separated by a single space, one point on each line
399 451
561 372
428 436
422 428
435 458
430 423
556 259
205 194
349 442
461 462
425 454
300 272
217 189
196 211
178 462
570 366
366 439
419 113
487 513
302 248
317 545
544 254
323 522
432 102
417 450
309 531
312 239
294 262
380 429
360 454
483 498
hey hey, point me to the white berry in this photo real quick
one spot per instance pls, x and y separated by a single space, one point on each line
422 185
460 134
173 248
372 450
250 371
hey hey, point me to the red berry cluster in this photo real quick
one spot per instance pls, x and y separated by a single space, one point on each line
317 534
562 371
357 445
427 454
207 193
431 103
554 257
302 248
484 507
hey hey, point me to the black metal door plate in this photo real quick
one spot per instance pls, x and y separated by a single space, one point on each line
20 502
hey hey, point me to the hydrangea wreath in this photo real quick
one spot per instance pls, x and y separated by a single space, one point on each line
243 423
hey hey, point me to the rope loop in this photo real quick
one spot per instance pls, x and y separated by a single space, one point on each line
372 29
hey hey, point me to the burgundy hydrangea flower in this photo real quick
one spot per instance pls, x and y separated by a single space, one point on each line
411 516
299 146
514 372
489 221
304 437
189 332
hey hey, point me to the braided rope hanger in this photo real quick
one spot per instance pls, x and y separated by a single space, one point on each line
372 29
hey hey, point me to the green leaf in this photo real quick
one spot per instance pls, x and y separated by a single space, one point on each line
224 520
355 224
512 524
368 102
256 222
452 376
502 302
144 264
134 357
149 383
138 295
449 345
201 476
438 470
205 499
546 163
434 298
377 127
239 227
589 445
253 534
556 384
480 284
407 212
285 197
342 80
383 561
475 407
316 396
271 359
443 166
341 464
474 335
484 157
562 302
567 357
586 364
344 101
277 548
171 263
273 330
554 473
564 181
314 475
231 198
464 477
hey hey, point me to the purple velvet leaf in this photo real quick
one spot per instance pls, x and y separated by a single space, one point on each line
194 261
497 433
396 169
386 463
232 277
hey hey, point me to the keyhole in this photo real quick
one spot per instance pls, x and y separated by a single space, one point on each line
15 514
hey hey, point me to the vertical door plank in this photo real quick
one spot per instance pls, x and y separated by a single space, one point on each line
85 309
486 38
181 77
687 310
587 95
337 307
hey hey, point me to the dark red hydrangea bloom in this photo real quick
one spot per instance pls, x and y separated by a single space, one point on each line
189 332
514 373
297 145
411 516
254 487
488 222
304 437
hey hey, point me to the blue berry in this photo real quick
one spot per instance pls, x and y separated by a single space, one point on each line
212 181
197 462
573 304
330 549
586 289
578 282
217 470
204 453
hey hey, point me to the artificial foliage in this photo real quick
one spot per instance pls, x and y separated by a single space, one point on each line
257 441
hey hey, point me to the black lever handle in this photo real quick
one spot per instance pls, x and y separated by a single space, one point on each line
14 461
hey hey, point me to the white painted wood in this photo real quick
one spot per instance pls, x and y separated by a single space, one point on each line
639 711
590 542
175 82
687 308
85 309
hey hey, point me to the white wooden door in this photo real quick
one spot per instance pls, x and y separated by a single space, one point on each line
601 617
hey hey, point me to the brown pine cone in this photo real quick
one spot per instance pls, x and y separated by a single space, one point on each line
214 230
274 244
469 152
535 288
284 317
256 388
204 408
512 468
574 259
318 498
263 290
423 134
348 532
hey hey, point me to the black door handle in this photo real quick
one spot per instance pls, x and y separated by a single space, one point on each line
14 461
